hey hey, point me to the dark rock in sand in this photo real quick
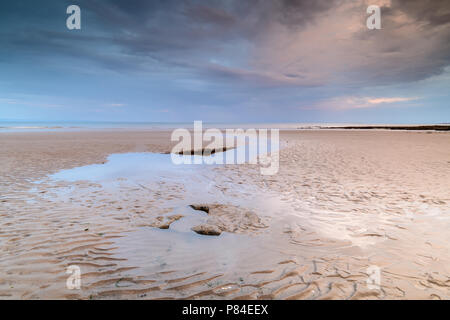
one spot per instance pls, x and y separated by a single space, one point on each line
207 230
200 207
204 152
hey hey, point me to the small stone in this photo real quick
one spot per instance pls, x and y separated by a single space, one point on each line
164 226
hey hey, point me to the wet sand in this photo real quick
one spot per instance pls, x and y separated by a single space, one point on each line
343 201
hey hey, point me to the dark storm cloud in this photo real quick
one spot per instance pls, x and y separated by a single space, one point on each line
296 13
147 26
433 13
189 34
414 43
238 40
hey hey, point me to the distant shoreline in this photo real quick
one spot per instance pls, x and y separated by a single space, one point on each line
396 127
8 126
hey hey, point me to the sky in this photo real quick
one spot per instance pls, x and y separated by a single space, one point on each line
226 61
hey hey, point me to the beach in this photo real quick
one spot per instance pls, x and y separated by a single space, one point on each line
343 203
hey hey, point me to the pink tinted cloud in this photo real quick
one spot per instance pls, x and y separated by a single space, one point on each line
352 102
